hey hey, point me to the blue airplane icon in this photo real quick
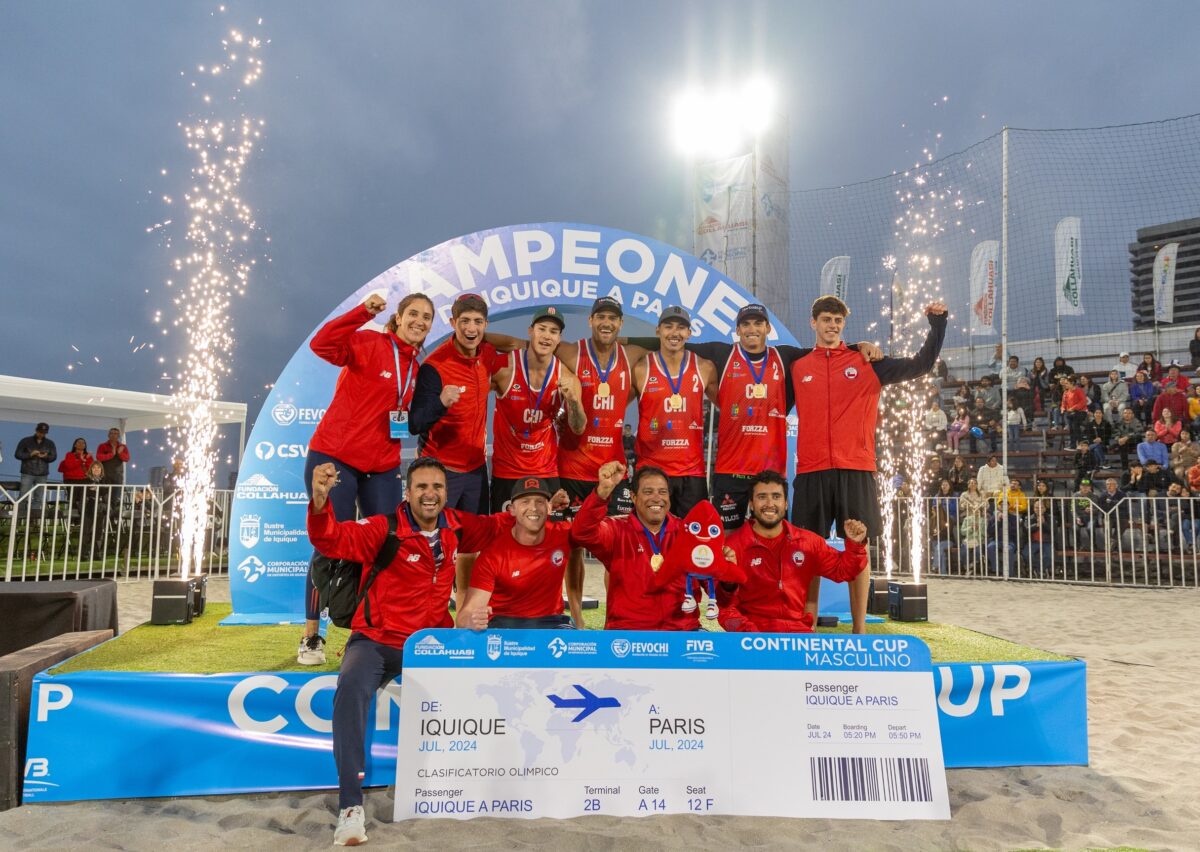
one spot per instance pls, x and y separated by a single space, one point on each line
588 704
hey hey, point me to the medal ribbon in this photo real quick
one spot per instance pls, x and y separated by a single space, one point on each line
537 403
612 359
412 370
677 382
656 541
758 377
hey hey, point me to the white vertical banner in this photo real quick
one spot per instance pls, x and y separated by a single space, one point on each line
771 263
1068 269
985 268
1164 283
724 213
835 276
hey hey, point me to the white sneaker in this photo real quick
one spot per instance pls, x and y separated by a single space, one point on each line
710 610
689 603
351 828
312 651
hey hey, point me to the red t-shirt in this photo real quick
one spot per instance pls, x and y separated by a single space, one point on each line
526 580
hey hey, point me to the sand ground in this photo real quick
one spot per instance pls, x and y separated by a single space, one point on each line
1140 789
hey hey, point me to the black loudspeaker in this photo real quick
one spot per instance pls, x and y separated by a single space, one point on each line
877 596
173 602
199 594
908 602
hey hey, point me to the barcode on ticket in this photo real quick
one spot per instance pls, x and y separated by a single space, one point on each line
870 779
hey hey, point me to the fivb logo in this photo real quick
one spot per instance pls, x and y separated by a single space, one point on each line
1000 692
700 650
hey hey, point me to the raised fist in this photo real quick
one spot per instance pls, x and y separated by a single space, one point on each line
610 475
375 304
856 530
324 478
451 394
935 309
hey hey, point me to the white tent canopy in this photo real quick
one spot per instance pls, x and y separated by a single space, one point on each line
62 404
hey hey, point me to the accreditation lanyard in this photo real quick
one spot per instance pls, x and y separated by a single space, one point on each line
537 403
402 388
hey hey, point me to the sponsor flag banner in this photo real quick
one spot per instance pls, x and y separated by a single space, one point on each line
1164 283
257 732
518 724
985 278
723 205
835 277
514 269
1068 268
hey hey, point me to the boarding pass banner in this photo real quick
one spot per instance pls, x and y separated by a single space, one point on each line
555 724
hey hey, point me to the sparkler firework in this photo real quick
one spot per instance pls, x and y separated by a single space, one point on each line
217 264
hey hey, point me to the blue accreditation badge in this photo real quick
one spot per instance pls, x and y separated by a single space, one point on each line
398 424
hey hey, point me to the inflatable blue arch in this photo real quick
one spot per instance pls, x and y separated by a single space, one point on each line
515 269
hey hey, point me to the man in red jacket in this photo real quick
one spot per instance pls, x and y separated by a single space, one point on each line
780 562
113 454
632 549
409 595
837 401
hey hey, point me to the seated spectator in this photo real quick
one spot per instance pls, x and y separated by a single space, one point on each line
957 429
985 419
1014 419
1015 497
1084 462
1152 448
970 541
991 477
941 372
935 423
1011 372
998 523
1125 367
1038 536
1127 434
1171 397
1167 428
963 396
1182 518
1151 367
1023 394
1091 390
1176 377
1074 408
1193 401
972 501
1193 478
1098 432
1042 488
1058 372
958 474
1158 478
933 470
1134 480
1110 496
989 392
1114 396
1141 397
943 523
1084 516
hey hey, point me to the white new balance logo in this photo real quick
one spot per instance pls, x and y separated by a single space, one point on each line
385 375
414 557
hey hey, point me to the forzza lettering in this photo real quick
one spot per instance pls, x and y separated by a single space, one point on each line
462 727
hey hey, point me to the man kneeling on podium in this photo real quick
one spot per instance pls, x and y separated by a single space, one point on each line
780 562
517 581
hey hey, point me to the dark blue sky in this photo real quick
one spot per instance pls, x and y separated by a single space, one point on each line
394 126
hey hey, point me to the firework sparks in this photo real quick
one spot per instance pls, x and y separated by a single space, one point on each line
216 267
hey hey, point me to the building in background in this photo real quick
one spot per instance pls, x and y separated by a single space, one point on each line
1174 273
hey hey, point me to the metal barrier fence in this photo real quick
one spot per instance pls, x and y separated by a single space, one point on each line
1132 541
74 532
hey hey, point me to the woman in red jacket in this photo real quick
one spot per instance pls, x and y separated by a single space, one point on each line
74 468
366 422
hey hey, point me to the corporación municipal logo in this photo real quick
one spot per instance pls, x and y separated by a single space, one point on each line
249 530
252 567
620 647
557 647
284 414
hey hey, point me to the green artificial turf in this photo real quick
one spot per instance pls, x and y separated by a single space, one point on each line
204 647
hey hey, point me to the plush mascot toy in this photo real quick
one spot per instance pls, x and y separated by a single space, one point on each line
699 552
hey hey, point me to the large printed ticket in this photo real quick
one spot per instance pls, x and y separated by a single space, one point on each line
566 723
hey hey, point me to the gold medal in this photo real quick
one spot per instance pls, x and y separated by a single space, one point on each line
656 561
602 390
675 401
760 391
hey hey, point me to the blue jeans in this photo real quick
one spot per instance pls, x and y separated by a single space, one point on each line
1014 435
941 555
993 549
28 483
1039 557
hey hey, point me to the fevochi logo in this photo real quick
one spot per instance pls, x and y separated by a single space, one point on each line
284 414
557 647
493 647
620 647
252 567
249 529
700 650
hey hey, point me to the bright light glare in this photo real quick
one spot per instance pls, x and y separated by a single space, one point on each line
724 121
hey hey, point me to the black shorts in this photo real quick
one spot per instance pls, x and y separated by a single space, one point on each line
620 502
825 496
731 496
468 491
546 622
502 490
686 492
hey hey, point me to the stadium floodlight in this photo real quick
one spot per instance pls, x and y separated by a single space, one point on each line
724 121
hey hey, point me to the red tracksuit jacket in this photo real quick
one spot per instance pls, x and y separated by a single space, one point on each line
621 544
414 591
773 597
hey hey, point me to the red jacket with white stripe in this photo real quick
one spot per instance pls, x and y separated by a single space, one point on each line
773 598
622 545
413 592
